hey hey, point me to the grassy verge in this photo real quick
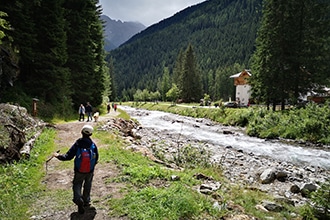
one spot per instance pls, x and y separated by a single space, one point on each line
20 183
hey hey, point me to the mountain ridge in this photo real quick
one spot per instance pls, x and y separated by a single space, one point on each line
117 32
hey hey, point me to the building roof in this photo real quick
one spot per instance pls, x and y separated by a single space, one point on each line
239 74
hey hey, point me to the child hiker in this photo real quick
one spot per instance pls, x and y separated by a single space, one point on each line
86 157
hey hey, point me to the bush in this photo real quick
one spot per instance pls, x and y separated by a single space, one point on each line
309 124
238 117
321 199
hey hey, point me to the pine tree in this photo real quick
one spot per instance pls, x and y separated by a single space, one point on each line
178 69
268 66
224 85
49 80
191 85
291 50
113 90
165 83
209 84
8 58
4 25
85 50
24 41
314 44
97 44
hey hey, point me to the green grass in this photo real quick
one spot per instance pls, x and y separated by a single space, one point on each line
20 183
123 114
173 202
143 198
151 194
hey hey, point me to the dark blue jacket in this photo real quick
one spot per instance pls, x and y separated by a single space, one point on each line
89 108
84 142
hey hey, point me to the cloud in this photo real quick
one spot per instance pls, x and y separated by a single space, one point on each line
147 12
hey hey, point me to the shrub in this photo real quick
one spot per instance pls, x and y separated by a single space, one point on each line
321 199
238 117
192 157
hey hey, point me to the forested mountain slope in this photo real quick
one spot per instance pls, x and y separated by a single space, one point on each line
222 33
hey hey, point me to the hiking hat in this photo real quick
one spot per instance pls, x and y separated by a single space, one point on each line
87 129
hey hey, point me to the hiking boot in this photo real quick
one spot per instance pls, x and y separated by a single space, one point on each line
81 208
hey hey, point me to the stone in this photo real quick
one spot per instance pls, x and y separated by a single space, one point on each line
272 207
307 189
281 176
282 199
268 176
214 186
175 178
295 189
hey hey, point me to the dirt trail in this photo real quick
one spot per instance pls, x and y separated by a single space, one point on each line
58 178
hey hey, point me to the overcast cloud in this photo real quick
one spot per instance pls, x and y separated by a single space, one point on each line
147 12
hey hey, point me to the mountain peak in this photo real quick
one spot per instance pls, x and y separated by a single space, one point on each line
117 32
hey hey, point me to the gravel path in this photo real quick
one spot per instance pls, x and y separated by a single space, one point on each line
57 179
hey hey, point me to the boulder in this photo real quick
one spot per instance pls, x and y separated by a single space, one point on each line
267 176
307 188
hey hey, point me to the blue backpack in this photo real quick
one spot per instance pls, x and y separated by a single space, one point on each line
85 159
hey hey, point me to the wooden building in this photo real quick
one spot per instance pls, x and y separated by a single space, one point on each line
242 87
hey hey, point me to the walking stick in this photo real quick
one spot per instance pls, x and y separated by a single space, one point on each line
49 160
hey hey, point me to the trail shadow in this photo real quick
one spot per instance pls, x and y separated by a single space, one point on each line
89 214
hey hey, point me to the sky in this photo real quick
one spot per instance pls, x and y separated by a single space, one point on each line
147 12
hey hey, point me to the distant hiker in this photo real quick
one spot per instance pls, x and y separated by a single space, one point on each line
81 112
89 111
115 107
108 108
86 157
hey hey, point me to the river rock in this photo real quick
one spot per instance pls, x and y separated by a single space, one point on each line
282 199
281 175
213 186
307 189
268 176
272 207
295 189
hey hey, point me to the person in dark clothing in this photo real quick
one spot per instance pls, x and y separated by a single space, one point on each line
89 111
81 178
108 108
81 112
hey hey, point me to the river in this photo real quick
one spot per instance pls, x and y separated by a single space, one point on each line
206 131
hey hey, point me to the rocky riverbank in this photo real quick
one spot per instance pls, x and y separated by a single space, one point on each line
285 181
